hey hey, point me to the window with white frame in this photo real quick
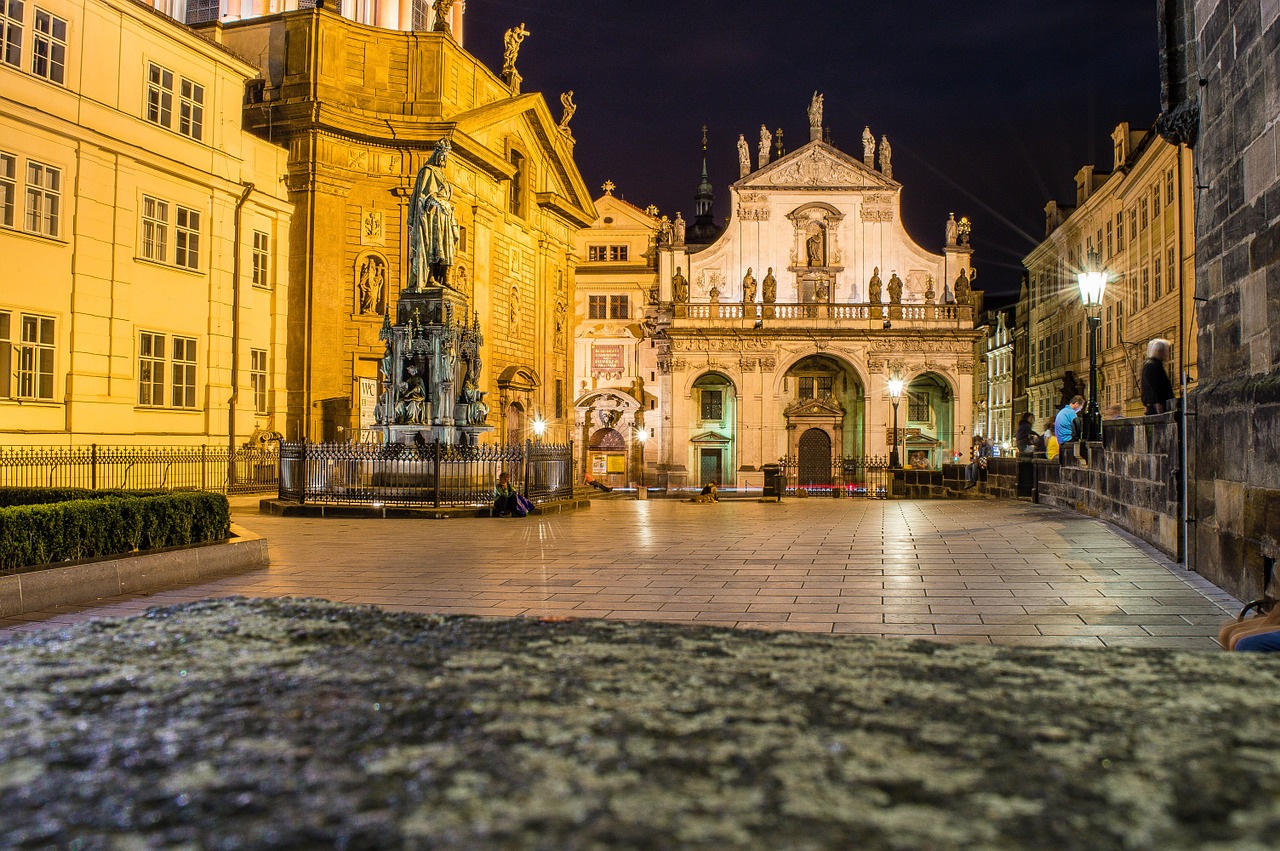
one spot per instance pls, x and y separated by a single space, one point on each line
261 259
258 379
191 109
151 363
11 18
184 372
1168 187
159 95
44 198
8 186
34 354
155 229
186 238
49 47
1156 275
6 354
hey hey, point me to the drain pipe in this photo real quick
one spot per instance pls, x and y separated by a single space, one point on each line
1184 343
235 331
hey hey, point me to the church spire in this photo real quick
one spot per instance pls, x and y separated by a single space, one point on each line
703 230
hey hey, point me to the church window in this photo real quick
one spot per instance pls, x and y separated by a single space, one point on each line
49 47
515 198
804 388
597 307
619 307
11 16
712 404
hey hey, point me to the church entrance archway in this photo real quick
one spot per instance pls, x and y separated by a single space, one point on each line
814 462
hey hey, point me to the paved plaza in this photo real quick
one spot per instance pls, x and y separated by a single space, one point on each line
955 571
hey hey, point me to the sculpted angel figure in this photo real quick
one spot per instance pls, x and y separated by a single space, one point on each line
566 101
433 230
511 40
815 113
441 9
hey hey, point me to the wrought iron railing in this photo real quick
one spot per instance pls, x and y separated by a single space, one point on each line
431 474
859 475
244 471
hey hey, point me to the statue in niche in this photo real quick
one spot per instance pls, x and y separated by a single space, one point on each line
441 9
886 153
715 295
873 287
766 144
815 117
460 280
411 408
816 248
679 287
895 289
560 317
744 156
770 287
678 228
566 101
962 288
964 228
952 229
371 283
868 148
433 230
748 288
515 304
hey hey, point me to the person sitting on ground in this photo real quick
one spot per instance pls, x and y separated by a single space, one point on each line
505 499
709 490
591 481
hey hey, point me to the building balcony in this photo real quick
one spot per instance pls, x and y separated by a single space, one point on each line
823 314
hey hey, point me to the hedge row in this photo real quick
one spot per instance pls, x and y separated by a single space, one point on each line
109 525
43 496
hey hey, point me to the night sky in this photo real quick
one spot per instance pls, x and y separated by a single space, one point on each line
990 107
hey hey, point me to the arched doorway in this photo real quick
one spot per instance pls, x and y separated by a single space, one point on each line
824 392
607 456
814 462
930 422
514 423
715 415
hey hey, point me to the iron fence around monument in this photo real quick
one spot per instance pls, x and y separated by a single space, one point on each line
142 468
860 476
428 474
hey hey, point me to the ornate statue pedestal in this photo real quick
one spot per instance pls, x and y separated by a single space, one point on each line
448 435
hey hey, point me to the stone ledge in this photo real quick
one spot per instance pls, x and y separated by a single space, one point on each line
287 508
45 588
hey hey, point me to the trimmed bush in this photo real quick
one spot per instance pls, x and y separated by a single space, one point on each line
44 496
109 524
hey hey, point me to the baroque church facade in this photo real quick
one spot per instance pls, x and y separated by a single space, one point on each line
777 335
359 109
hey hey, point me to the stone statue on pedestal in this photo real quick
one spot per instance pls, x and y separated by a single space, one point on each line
929 294
873 286
766 143
715 295
744 156
569 107
868 148
895 289
886 153
664 231
678 228
433 230
441 9
411 407
679 287
770 287
511 40
815 117
963 293
748 288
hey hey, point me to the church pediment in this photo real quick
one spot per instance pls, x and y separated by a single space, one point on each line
817 165
806 408
710 438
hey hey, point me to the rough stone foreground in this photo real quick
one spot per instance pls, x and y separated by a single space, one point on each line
286 723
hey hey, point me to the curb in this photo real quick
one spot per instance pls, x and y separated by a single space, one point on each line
287 508
47 588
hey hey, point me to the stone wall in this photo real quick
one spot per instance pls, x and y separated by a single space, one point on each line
1236 481
1131 479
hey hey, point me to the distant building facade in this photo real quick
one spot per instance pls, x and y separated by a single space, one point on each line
360 109
391 14
144 234
995 401
614 351
779 332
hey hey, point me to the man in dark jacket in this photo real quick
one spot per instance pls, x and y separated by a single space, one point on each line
1157 390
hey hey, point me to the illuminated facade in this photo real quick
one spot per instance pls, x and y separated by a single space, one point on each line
145 234
390 14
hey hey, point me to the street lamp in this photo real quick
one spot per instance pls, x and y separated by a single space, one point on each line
539 429
1093 284
895 396
642 435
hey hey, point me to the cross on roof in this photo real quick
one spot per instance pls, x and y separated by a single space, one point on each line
608 187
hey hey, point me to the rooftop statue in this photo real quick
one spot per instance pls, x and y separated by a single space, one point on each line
815 117
873 287
886 152
895 289
766 143
566 101
770 287
868 148
744 156
952 229
442 9
433 230
748 288
511 40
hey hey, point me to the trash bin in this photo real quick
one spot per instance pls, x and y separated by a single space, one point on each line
774 482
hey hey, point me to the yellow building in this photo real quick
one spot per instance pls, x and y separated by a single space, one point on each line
360 109
1140 218
617 361
144 234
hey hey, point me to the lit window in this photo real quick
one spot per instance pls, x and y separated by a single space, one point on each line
151 369
597 253
155 229
159 95
191 109
8 187
261 259
258 379
617 252
619 307
597 307
11 15
49 47
184 372
805 387
186 241
44 196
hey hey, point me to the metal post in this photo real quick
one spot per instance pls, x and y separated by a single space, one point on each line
93 466
527 445
204 450
437 471
302 472
894 457
1094 416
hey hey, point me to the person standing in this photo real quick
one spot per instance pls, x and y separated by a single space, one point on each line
1157 390
1025 437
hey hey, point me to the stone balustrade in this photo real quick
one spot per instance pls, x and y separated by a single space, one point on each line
873 315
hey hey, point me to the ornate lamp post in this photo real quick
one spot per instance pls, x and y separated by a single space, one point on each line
642 435
539 429
895 396
1093 284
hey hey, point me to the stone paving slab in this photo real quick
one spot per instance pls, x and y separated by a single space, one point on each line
818 564
307 724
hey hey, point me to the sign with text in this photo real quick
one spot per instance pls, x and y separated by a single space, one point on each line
368 402
606 358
